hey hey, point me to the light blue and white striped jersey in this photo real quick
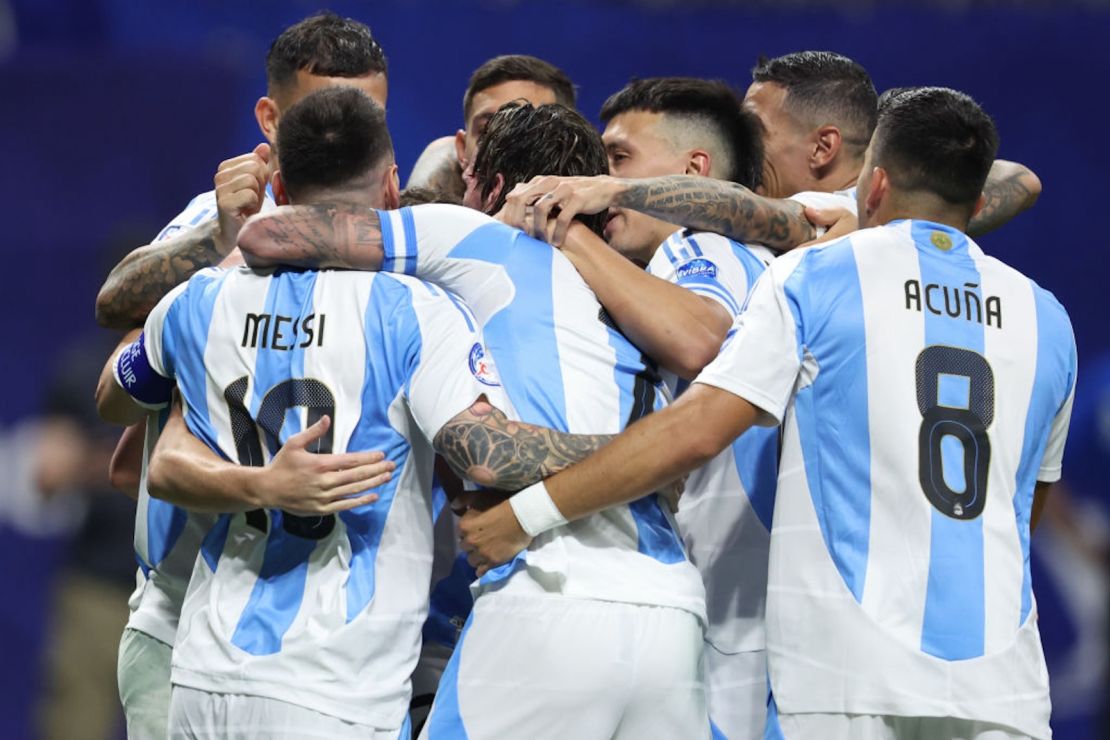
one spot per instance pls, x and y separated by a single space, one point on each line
168 537
924 388
322 613
725 512
564 366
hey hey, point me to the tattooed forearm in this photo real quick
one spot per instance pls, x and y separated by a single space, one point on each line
481 444
1010 189
317 236
137 283
722 207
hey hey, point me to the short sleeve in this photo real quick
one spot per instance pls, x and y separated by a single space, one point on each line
709 265
762 354
141 368
200 210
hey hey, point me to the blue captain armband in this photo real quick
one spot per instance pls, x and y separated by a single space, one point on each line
142 382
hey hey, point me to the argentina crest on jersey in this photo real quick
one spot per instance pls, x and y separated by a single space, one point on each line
482 367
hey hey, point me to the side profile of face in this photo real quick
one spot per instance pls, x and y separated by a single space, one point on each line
639 145
487 102
786 146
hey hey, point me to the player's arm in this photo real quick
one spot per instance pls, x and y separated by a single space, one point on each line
1041 493
679 329
484 446
126 466
318 236
701 203
184 471
146 390
437 168
1010 189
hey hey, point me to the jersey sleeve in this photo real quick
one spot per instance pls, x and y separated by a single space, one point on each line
141 368
705 264
200 209
418 240
762 354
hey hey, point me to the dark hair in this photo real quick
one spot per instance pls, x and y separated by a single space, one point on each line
937 140
331 137
825 87
708 103
523 141
325 45
519 67
414 196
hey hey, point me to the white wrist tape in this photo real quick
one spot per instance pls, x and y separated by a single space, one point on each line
535 510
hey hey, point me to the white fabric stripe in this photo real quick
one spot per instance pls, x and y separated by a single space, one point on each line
901 516
401 247
1011 352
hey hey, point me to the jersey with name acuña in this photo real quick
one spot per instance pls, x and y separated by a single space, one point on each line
167 537
924 388
326 612
564 366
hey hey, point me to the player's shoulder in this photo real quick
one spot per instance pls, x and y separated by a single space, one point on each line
840 199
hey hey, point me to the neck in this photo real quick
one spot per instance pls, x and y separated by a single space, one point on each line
922 207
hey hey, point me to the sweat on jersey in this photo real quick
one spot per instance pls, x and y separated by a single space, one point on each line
323 612
923 389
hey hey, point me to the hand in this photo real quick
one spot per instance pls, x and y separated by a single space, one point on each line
240 191
569 195
840 222
672 493
492 537
310 484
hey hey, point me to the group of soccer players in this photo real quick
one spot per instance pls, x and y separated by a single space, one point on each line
486 439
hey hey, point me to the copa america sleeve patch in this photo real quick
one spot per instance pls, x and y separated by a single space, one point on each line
699 267
134 374
482 367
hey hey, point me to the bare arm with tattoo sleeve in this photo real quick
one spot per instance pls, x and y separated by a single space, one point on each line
1010 189
319 236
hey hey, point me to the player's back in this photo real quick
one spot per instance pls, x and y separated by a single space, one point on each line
336 602
932 383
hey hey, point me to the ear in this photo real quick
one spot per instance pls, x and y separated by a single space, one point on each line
281 196
391 189
266 112
494 193
699 162
982 201
826 145
460 148
880 188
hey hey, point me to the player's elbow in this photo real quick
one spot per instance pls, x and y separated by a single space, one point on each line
124 477
1032 186
107 312
159 474
254 246
694 354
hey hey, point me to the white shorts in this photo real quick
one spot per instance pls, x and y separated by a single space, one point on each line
554 667
143 674
882 727
737 690
200 714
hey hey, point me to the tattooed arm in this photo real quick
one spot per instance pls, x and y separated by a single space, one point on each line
484 446
317 236
1010 189
687 200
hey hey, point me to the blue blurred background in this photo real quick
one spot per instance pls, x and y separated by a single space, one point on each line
114 113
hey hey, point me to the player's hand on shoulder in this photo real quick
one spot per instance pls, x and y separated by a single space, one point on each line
836 222
306 483
240 191
491 537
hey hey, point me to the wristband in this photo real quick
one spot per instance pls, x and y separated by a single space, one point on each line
535 510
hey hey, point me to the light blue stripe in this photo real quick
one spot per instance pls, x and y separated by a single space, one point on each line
832 412
410 240
212 547
446 722
685 253
200 216
164 524
1052 383
463 309
694 245
389 243
954 622
667 251
184 339
713 290
756 454
393 350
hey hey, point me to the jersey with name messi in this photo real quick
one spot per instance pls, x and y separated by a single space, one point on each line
725 512
320 612
564 366
167 537
924 388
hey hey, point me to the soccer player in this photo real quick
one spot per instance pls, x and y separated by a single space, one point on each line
818 111
498 81
309 626
924 391
320 51
595 631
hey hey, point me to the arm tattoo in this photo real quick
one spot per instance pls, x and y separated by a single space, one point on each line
318 236
722 207
1006 194
137 283
481 444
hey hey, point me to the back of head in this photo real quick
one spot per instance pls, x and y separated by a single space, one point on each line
512 67
823 88
333 140
523 141
935 140
325 45
706 114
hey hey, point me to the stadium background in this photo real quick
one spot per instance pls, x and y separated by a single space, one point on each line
114 113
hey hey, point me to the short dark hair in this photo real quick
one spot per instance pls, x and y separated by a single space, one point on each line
519 67
825 87
523 141
707 102
935 139
414 196
326 45
329 138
